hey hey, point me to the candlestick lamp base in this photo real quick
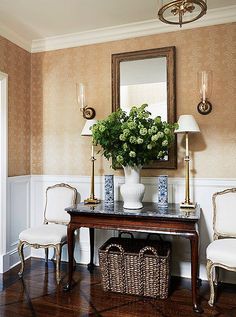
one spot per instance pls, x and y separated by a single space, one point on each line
188 205
91 201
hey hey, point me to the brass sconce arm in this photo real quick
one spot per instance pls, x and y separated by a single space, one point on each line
88 112
204 107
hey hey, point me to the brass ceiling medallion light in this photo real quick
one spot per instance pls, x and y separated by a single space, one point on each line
181 11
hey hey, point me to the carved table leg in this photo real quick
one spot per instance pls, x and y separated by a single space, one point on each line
70 241
91 237
194 272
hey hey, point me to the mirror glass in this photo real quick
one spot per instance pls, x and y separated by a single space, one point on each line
139 84
147 76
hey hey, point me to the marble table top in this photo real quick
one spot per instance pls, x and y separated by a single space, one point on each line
149 210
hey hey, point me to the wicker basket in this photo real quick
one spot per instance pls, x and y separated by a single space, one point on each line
135 266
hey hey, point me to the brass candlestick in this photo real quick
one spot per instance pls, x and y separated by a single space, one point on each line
187 203
92 199
87 132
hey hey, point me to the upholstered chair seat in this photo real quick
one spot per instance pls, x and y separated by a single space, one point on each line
53 232
45 234
221 253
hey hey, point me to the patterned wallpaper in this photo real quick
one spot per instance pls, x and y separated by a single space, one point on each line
58 148
16 62
56 121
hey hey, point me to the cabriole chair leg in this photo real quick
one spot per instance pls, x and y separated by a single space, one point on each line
211 282
46 255
74 264
21 255
58 261
217 274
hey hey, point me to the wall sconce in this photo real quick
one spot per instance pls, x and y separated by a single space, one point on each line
205 87
88 112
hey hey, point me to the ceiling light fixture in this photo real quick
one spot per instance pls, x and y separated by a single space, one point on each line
181 11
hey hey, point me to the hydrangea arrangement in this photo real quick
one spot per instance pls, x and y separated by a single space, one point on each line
133 139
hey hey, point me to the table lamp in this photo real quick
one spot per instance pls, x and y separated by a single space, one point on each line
187 124
87 132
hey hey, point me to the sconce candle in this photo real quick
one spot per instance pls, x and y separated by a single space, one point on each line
203 92
82 95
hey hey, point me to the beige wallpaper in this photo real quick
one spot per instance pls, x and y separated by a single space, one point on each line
58 148
56 122
16 62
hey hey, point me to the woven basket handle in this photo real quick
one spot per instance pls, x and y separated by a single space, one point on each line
155 235
145 249
119 247
126 232
141 263
114 245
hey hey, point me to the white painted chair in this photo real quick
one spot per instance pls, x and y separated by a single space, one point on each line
221 253
53 231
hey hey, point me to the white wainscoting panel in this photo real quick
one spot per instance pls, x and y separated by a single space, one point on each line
201 190
24 194
18 218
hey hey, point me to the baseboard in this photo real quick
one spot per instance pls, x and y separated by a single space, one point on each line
11 259
4 263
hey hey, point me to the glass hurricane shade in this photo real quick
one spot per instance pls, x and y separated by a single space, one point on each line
87 127
187 123
80 94
205 84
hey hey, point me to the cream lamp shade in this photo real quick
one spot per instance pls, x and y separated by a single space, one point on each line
187 123
87 127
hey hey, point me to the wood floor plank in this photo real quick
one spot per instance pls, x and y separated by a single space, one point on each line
37 295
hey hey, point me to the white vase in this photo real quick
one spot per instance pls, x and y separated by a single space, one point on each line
132 191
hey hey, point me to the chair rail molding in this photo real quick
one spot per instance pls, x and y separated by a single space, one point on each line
26 202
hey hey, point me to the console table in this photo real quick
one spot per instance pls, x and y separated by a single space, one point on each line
171 220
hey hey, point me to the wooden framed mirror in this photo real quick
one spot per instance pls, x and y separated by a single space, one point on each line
147 76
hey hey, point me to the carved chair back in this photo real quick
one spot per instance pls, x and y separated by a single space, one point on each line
58 197
224 213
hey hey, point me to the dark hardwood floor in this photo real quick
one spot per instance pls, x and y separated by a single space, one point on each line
38 295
